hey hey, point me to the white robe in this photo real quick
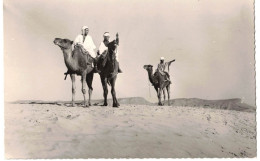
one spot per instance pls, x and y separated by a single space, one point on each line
103 47
88 44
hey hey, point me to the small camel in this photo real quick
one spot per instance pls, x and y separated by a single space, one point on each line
159 82
77 63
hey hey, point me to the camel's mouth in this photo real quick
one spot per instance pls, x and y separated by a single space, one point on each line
55 42
58 43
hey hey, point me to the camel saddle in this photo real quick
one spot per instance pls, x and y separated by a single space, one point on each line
83 50
157 73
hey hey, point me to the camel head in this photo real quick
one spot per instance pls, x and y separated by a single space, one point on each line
112 46
149 68
63 43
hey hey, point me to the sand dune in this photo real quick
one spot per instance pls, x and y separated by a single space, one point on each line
131 131
227 104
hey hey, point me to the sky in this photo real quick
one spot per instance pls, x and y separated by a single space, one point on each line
211 40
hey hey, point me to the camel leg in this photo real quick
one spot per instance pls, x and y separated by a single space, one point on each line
89 94
83 78
168 91
157 91
105 90
159 96
113 92
72 76
90 89
164 95
117 103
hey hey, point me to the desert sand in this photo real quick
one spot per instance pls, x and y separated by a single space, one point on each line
131 131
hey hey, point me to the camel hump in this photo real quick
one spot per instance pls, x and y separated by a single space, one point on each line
82 54
164 75
81 49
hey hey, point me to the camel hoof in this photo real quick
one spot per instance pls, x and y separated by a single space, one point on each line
105 104
89 104
85 106
73 105
115 106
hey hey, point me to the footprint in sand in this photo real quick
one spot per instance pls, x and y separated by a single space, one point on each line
178 134
72 117
49 129
55 119
208 117
233 154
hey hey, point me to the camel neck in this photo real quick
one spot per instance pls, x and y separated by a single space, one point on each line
67 53
150 75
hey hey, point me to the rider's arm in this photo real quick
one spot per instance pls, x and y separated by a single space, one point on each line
171 61
167 64
159 67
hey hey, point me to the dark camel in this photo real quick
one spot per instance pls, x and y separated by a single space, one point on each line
77 63
109 69
159 82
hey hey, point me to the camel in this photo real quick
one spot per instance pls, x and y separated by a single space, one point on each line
77 63
159 82
108 66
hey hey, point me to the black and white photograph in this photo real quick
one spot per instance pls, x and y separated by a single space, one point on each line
91 79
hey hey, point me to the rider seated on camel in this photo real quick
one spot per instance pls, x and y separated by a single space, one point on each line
102 50
84 40
162 66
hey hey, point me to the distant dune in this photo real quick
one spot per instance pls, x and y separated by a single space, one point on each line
227 104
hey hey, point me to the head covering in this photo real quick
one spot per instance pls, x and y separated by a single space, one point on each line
84 27
162 58
106 34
